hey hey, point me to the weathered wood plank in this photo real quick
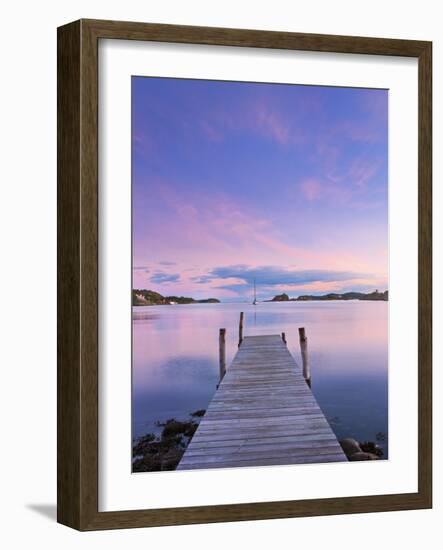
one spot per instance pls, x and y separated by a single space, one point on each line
254 431
337 457
306 447
278 453
224 432
259 420
206 442
263 413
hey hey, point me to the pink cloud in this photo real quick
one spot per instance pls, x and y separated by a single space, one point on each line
312 189
271 124
364 133
211 131
344 187
336 286
203 231
259 117
143 143
361 172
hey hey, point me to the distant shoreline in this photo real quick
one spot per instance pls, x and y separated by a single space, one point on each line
151 298
375 296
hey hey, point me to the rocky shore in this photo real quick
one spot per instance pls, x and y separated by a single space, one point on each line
153 453
367 450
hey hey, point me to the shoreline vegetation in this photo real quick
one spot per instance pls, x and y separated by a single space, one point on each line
151 298
374 296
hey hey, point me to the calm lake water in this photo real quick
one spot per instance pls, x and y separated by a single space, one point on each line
175 359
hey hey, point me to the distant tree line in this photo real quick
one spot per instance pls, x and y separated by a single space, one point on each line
376 296
142 297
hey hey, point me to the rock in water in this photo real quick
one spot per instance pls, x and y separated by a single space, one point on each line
350 446
198 413
371 447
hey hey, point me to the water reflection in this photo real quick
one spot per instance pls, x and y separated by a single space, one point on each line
175 358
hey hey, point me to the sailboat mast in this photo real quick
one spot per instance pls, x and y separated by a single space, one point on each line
255 294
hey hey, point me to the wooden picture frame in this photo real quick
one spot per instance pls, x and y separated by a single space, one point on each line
78 273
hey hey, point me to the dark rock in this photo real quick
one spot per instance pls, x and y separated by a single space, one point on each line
147 464
371 447
174 427
142 445
148 438
153 454
350 446
171 459
362 456
198 413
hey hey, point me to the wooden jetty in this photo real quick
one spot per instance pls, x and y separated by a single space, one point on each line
263 413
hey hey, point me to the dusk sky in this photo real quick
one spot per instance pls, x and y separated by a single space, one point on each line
282 183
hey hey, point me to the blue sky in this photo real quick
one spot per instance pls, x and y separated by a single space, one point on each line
234 181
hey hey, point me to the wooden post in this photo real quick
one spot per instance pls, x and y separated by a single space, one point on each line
222 353
304 355
240 329
283 337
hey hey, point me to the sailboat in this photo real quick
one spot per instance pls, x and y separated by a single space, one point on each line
254 303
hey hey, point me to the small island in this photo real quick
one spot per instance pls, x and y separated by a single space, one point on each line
374 296
151 298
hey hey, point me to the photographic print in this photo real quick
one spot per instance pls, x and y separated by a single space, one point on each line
259 274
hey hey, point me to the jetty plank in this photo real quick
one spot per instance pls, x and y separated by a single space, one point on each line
263 413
